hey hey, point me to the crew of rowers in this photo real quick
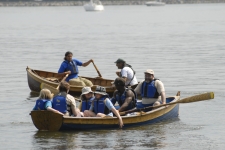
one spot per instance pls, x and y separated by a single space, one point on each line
98 103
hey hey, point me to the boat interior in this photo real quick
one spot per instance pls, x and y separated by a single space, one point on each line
56 78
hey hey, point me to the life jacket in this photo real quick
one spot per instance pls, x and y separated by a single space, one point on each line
149 90
86 104
40 104
72 66
121 99
100 107
59 102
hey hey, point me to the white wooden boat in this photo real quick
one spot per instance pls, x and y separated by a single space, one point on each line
155 3
92 6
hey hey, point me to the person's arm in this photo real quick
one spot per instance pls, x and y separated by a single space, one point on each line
53 110
163 97
161 90
113 99
92 106
110 106
125 79
118 73
138 88
87 63
128 99
124 74
118 116
48 106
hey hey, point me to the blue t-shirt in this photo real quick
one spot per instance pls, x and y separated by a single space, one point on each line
47 104
64 66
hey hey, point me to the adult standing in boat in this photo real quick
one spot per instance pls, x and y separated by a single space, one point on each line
101 106
44 101
127 73
151 90
64 102
70 66
126 98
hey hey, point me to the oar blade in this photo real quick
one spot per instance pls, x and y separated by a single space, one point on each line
52 89
196 98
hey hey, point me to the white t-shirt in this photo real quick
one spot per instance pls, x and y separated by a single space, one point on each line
128 73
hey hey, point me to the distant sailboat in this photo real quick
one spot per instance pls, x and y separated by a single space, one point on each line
91 6
155 3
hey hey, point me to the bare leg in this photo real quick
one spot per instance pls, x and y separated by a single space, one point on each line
100 115
88 113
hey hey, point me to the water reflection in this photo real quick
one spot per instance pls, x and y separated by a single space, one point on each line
53 140
148 136
32 95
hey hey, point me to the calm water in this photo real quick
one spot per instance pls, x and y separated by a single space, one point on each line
183 44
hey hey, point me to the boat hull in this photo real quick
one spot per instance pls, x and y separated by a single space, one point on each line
155 3
173 113
36 77
141 118
93 7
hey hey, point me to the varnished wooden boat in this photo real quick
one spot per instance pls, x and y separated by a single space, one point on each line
36 77
46 120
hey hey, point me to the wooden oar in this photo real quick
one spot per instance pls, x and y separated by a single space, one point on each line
97 69
64 78
195 98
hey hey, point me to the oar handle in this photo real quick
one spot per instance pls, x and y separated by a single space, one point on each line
64 78
97 69
195 98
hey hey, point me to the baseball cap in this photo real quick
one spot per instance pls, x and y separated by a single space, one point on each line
120 60
149 71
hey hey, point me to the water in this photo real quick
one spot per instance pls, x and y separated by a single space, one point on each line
183 44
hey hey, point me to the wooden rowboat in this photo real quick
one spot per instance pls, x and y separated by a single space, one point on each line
46 120
36 77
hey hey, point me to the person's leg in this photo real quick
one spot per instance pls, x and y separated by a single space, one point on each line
100 115
87 82
76 82
88 113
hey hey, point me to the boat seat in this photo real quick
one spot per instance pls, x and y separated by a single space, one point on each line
52 79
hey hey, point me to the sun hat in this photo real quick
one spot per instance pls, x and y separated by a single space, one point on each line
149 71
120 60
86 90
100 90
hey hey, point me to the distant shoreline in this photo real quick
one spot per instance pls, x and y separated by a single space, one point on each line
104 2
